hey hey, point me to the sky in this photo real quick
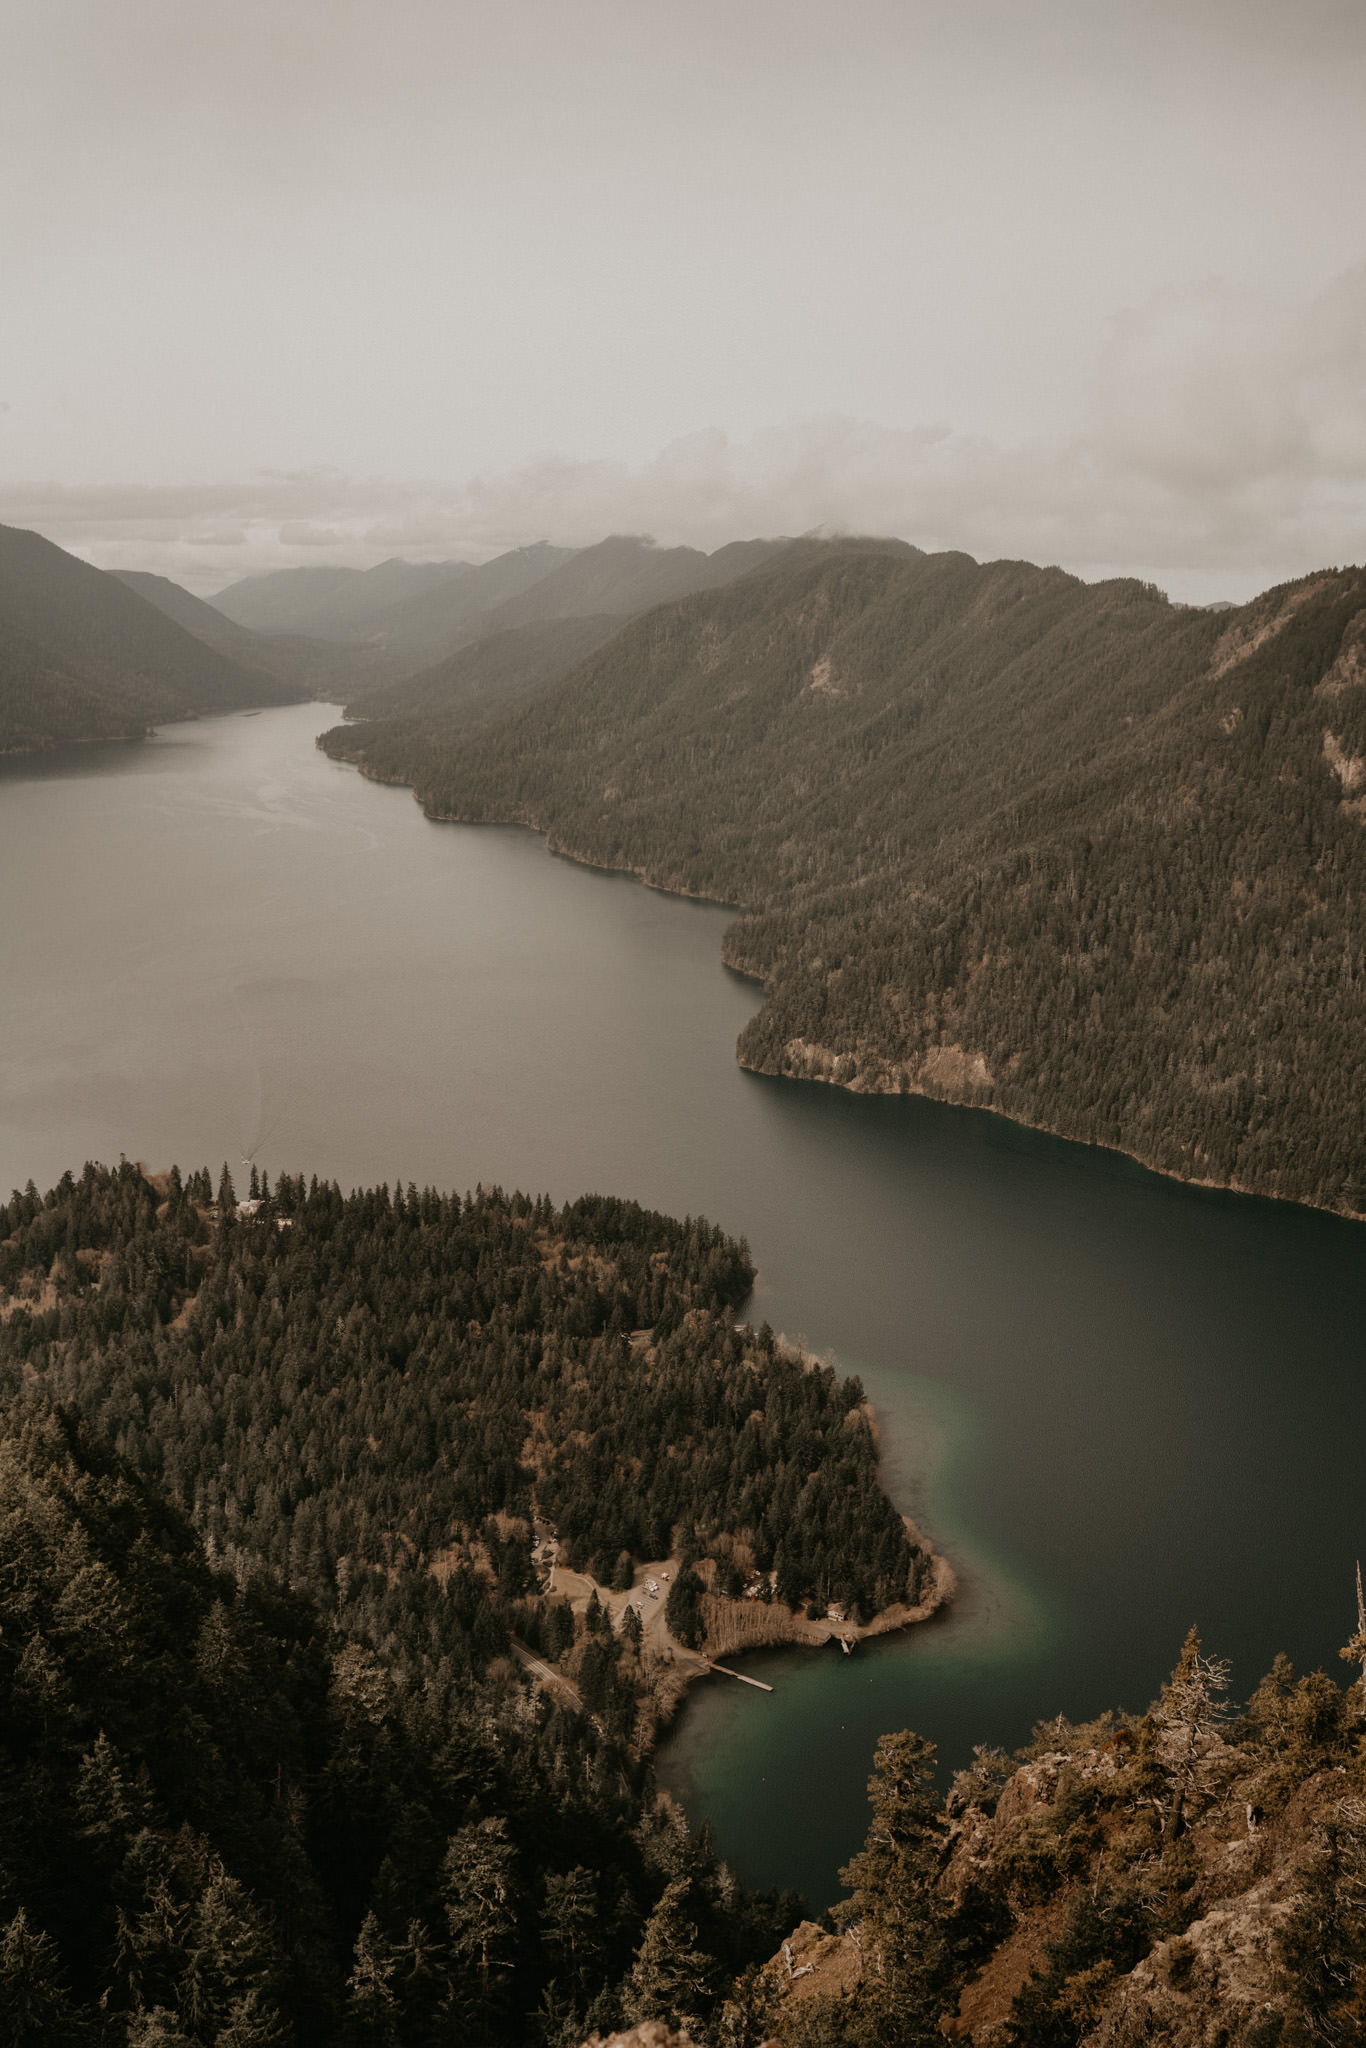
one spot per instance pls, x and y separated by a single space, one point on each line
327 281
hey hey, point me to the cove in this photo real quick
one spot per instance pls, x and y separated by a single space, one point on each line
1121 1405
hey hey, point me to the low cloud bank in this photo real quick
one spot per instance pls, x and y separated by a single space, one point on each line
1223 449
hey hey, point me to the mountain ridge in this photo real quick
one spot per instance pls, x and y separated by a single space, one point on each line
82 656
996 835
320 668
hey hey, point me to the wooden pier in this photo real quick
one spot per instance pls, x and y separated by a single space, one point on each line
727 1673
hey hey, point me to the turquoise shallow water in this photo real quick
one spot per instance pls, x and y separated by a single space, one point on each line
1120 1405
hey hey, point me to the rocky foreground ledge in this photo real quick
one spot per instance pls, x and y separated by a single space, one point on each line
1191 1878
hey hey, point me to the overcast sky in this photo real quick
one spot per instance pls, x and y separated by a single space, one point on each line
330 280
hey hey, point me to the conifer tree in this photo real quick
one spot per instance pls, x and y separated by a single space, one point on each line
569 1920
372 2010
1188 1712
672 1978
893 1911
747 2019
33 2002
479 1889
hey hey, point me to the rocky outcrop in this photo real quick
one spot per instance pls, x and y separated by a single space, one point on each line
1186 1880
952 1072
649 2034
1219 1878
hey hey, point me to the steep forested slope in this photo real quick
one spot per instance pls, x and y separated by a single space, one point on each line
223 1820
242 1815
627 574
83 657
1068 851
485 680
533 639
271 1773
541 607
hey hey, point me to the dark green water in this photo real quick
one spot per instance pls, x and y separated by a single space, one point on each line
1120 1405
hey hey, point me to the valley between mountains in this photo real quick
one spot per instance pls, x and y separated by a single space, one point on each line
273 1468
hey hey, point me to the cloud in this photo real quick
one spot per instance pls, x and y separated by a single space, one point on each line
1213 389
1223 448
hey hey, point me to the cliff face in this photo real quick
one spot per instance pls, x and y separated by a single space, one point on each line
1219 1903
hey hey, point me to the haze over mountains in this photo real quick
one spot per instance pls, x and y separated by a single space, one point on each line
425 609
82 657
316 666
421 607
112 669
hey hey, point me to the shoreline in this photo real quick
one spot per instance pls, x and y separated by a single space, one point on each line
733 1628
904 1085
965 1101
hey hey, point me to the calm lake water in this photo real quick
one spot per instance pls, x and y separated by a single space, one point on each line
1120 1405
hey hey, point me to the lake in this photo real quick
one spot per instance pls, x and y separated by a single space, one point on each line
1120 1405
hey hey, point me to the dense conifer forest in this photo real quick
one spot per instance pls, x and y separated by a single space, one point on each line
270 1474
273 1767
1063 850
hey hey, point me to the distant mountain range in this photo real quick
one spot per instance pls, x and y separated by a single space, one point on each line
84 657
1067 851
313 666
423 611
419 608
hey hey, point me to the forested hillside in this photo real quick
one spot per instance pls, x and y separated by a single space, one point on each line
334 1384
454 643
339 1811
626 574
225 1820
424 611
82 657
1063 850
272 1770
485 680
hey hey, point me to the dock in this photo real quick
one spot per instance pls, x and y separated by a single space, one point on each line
726 1672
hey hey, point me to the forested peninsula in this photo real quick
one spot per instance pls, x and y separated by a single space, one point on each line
296 1745
294 1489
1066 851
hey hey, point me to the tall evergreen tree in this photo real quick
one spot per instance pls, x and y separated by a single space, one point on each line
893 1910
